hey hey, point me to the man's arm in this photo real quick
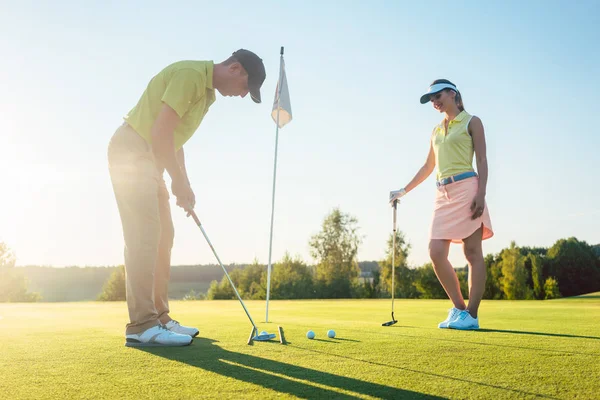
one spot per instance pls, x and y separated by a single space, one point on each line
163 147
181 162
163 144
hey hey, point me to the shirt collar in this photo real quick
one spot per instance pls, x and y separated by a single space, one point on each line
210 66
461 115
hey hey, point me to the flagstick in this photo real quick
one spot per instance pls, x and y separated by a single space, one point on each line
274 177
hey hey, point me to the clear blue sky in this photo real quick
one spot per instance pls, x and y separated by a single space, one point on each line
70 71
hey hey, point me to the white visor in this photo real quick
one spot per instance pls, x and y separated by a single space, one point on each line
433 89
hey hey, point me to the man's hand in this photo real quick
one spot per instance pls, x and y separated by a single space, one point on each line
185 195
395 195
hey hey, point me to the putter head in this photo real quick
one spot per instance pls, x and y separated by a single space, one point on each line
264 338
251 337
281 336
392 322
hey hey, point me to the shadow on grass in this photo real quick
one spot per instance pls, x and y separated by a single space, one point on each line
470 382
333 340
324 340
281 377
564 335
511 331
470 335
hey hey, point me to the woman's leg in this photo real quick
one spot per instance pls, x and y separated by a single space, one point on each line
438 251
477 272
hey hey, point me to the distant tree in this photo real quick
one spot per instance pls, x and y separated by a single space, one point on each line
13 284
537 275
404 276
427 283
596 249
538 251
514 274
114 288
575 266
252 281
291 279
335 249
493 288
223 290
551 290
529 253
463 281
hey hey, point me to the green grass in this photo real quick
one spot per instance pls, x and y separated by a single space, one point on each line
526 349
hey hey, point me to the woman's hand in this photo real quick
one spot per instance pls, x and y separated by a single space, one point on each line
478 205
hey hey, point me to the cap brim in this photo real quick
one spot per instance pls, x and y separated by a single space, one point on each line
255 94
425 98
433 89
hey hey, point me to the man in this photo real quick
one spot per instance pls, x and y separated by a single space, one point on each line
149 142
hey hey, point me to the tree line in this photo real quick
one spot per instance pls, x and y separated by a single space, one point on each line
568 268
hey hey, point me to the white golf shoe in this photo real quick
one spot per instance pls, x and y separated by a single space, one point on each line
464 322
176 327
453 313
157 336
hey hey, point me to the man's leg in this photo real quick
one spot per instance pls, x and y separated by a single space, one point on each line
135 183
163 267
163 261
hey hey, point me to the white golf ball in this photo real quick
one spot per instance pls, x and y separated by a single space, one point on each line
310 334
263 333
331 333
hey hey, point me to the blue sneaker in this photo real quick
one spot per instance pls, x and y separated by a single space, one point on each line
453 313
464 322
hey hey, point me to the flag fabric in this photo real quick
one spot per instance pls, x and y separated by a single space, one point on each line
285 107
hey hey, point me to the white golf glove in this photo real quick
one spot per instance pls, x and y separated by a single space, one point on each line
396 194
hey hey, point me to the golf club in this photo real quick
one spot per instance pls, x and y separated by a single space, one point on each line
393 321
254 333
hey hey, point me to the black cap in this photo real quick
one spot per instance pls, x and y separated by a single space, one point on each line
256 71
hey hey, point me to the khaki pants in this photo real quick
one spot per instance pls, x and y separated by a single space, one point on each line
143 203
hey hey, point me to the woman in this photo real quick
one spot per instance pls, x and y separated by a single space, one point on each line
460 213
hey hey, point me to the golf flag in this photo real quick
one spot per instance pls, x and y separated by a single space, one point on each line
282 115
282 100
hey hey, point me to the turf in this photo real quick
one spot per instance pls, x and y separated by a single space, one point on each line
525 349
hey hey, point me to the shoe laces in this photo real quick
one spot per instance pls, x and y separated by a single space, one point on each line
463 314
164 330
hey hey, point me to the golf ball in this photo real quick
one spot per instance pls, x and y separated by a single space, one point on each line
310 334
331 333
263 333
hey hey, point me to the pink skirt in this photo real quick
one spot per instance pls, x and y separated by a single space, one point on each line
452 212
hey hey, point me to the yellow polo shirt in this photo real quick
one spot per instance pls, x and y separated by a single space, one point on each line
187 87
453 150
